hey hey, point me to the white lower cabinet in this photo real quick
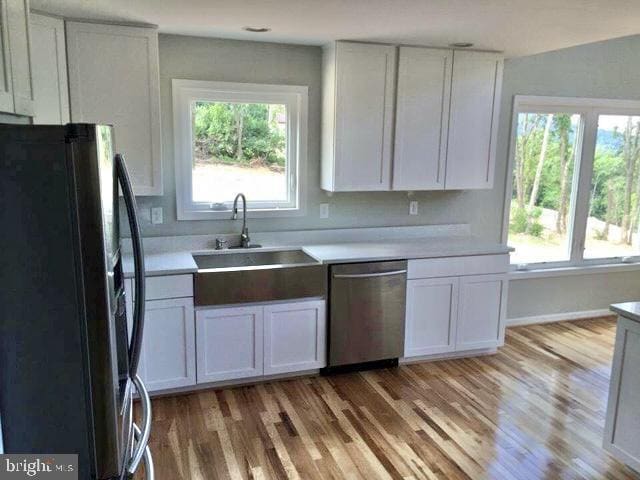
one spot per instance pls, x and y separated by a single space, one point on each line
168 355
229 343
480 312
255 340
456 313
294 337
168 345
622 424
432 309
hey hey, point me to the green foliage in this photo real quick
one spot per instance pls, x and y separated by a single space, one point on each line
535 213
536 229
599 235
239 133
519 220
608 168
526 221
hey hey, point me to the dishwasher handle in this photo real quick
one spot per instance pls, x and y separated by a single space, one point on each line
369 275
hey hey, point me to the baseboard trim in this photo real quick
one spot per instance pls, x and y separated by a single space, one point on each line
448 355
557 317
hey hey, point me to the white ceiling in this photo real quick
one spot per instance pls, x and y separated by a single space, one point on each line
517 27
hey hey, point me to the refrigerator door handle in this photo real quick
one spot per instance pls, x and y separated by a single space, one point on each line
142 436
138 260
149 473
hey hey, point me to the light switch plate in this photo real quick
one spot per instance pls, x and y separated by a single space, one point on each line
324 210
156 215
413 207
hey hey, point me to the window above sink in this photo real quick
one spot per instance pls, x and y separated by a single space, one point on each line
238 137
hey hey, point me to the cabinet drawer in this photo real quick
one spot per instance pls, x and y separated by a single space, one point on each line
168 286
457 266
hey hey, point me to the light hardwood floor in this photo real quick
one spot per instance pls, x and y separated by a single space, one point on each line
535 410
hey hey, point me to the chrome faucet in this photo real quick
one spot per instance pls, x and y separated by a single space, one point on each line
245 241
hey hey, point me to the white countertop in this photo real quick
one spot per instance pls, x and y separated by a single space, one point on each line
630 310
432 247
180 262
169 263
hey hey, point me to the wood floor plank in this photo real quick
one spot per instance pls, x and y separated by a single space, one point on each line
535 410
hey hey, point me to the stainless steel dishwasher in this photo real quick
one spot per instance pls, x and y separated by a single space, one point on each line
367 310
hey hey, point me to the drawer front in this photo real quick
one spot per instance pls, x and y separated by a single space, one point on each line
458 266
168 286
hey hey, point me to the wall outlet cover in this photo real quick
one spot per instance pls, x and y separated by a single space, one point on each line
156 215
413 207
324 210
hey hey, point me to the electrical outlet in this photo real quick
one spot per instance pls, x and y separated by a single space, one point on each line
156 215
413 207
324 210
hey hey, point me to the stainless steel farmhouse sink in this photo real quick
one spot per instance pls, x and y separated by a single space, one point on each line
253 259
257 276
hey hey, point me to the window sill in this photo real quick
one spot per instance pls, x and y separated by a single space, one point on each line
568 271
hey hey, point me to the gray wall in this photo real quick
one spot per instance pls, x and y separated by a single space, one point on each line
240 61
544 296
606 69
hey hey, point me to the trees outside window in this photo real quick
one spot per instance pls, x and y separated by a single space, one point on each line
235 138
542 194
575 192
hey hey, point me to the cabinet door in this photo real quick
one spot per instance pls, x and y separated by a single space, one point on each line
432 311
20 50
365 85
473 120
49 70
229 343
622 425
114 78
294 337
422 117
168 358
481 312
6 93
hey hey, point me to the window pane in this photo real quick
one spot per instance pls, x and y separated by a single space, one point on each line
543 197
612 226
239 147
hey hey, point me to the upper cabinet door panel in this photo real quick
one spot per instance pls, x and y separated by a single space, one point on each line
20 51
422 112
6 93
475 98
114 79
365 85
49 72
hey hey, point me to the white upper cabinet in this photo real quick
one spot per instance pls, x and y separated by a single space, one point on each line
114 79
358 98
49 72
445 112
16 93
422 111
473 120
6 92
20 48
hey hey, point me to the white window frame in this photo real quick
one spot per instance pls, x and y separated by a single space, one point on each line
294 97
589 109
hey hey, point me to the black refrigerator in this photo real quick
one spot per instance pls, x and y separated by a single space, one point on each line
68 362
